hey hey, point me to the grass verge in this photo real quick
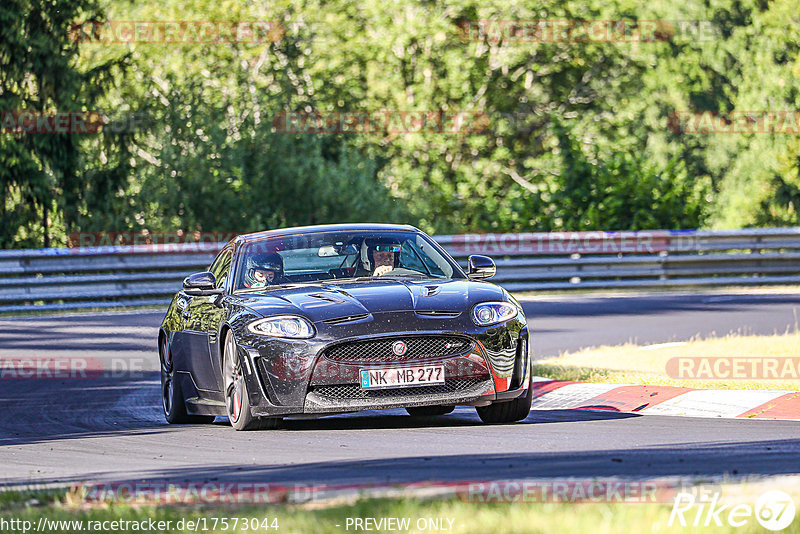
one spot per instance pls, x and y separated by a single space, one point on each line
634 364
456 515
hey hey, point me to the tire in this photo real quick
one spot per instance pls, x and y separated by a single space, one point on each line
171 396
429 411
237 400
508 411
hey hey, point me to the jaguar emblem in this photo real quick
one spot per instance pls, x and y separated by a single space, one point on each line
399 348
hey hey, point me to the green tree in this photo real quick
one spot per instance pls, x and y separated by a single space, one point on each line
42 176
574 135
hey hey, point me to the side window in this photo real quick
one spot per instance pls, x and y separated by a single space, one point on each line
221 266
424 252
410 260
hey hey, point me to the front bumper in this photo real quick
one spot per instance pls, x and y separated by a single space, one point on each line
288 377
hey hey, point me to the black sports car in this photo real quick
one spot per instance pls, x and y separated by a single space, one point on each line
322 320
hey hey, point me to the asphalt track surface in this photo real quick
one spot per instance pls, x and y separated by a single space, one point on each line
111 429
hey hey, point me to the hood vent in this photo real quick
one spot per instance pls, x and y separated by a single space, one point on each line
439 313
347 319
326 298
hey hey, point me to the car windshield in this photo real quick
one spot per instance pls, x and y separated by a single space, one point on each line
310 257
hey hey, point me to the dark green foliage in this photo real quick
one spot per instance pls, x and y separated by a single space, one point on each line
43 177
575 135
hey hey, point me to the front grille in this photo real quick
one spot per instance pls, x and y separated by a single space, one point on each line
380 350
354 391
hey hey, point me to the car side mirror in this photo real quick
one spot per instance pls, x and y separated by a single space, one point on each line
201 284
481 267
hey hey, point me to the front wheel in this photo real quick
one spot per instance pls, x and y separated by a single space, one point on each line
171 395
509 411
236 398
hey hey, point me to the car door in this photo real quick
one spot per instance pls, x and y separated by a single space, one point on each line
203 317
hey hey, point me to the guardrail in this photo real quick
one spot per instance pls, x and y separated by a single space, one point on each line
100 277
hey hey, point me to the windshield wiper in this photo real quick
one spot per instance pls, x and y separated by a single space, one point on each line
397 277
273 286
246 290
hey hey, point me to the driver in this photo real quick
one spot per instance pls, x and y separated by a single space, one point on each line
262 270
380 256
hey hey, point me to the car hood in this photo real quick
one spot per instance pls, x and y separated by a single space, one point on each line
327 300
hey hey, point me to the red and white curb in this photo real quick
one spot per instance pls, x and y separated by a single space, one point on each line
665 400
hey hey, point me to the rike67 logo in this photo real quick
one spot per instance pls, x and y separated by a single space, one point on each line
774 510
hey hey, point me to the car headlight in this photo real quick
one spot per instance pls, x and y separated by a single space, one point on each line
488 313
290 326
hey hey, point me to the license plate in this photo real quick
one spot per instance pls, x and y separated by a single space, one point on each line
402 377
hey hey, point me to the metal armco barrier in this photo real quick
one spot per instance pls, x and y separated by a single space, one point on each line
104 277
